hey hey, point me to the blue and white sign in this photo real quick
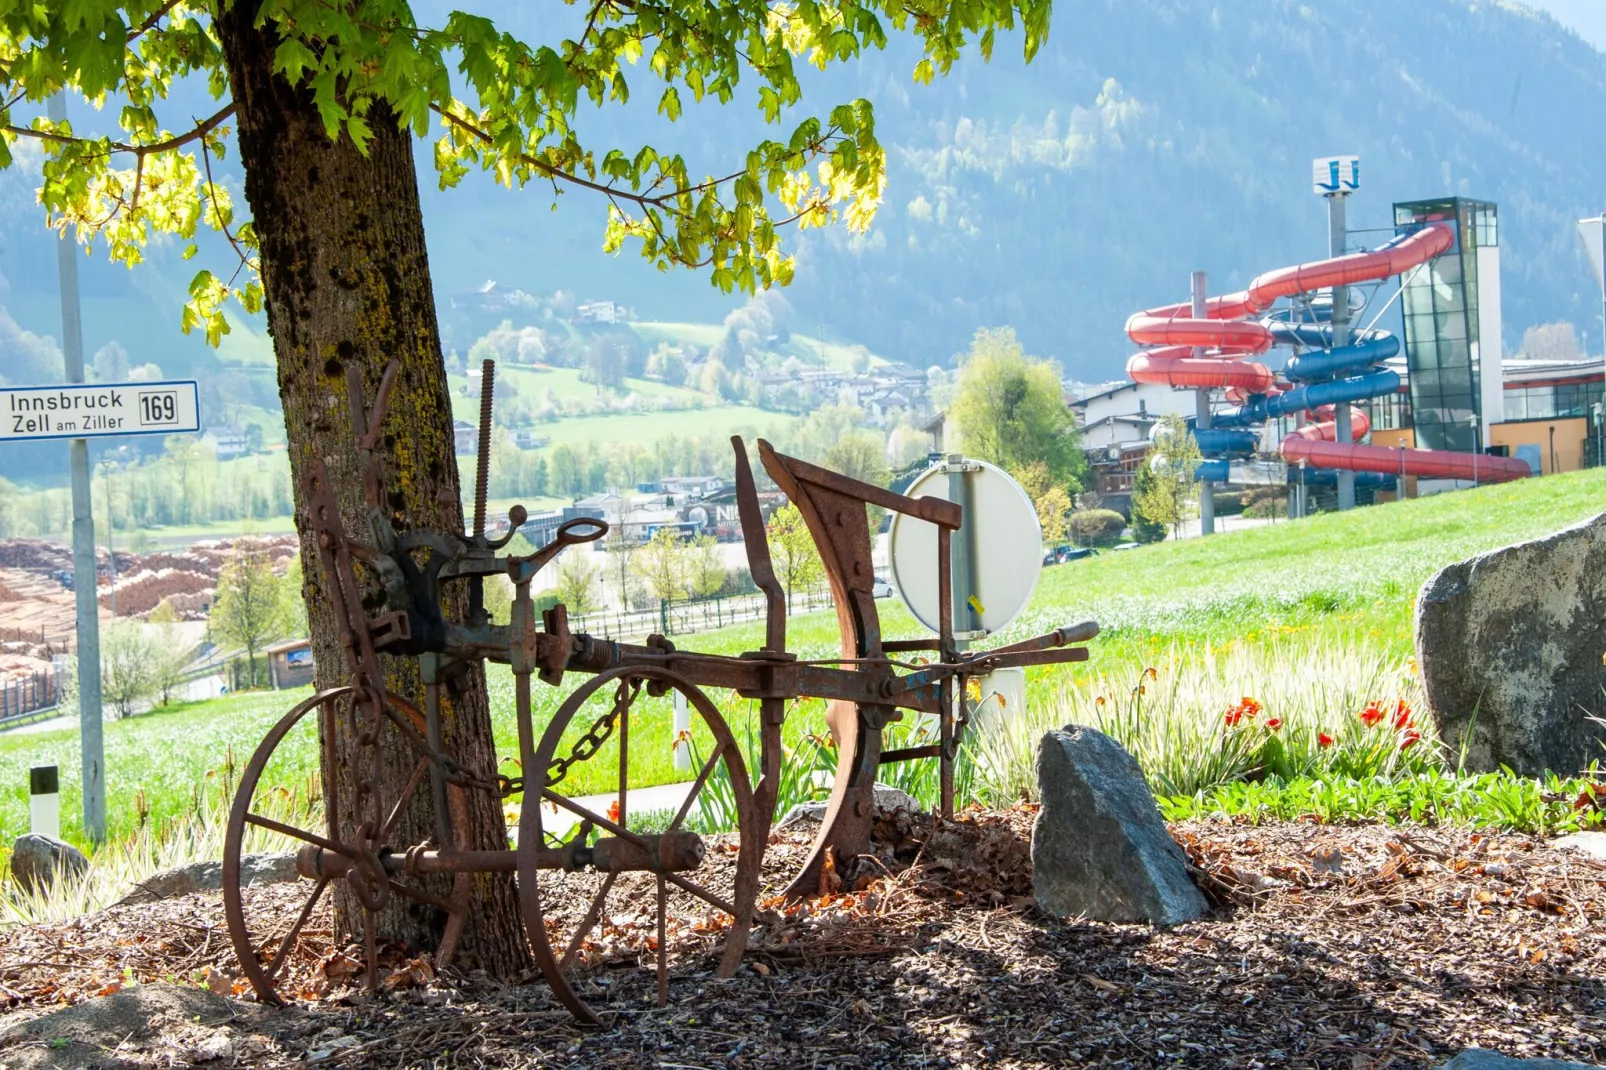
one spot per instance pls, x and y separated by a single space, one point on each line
98 410
1336 174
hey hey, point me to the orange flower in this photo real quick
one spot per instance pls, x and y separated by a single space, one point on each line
1274 723
1323 739
613 811
1371 715
1402 715
1411 736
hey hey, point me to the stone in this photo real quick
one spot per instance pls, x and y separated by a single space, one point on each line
1589 843
1510 645
887 800
37 860
1100 849
1483 1059
208 876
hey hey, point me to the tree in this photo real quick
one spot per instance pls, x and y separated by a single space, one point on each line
661 563
327 98
1009 408
1172 461
1052 510
1144 528
797 559
128 654
1552 341
577 583
860 455
621 553
706 574
170 653
250 607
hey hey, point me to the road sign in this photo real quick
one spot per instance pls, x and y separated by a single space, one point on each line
1336 174
1005 541
98 410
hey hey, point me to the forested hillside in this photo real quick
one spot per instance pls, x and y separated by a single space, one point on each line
1150 138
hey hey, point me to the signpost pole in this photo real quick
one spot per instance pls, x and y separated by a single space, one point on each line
1337 232
91 746
1207 489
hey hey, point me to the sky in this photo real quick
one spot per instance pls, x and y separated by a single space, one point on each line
1587 18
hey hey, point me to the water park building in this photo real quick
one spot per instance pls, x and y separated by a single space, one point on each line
1429 405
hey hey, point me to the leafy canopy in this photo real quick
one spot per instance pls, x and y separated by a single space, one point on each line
494 102
1009 408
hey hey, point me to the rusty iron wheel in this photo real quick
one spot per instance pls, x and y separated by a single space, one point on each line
560 935
262 955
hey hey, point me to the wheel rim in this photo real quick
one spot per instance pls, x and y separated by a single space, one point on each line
250 948
559 934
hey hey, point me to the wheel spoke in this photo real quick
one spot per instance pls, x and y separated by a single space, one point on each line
295 930
419 772
588 922
697 787
624 763
596 819
700 892
299 834
663 944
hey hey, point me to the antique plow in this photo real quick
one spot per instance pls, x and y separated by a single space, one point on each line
386 593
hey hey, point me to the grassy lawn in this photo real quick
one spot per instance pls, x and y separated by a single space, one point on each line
1313 618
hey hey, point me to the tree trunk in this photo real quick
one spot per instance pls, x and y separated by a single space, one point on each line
346 281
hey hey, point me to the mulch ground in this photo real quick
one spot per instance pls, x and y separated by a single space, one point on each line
1326 947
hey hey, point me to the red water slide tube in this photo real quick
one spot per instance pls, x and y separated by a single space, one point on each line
1434 464
1326 428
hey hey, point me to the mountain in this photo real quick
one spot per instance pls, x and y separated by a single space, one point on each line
1150 138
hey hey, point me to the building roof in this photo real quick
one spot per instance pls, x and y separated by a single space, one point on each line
286 645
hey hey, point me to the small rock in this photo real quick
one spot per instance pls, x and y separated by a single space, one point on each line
1099 847
215 1047
332 1048
887 800
208 876
1483 1059
1590 843
37 860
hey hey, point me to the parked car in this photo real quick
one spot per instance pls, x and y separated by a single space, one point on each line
880 588
1058 555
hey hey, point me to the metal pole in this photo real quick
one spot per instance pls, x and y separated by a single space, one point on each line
962 563
1336 235
111 550
91 747
1207 488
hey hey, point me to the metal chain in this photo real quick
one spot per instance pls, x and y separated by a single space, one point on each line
587 745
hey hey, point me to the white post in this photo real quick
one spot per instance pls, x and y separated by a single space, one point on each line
682 724
44 802
1337 232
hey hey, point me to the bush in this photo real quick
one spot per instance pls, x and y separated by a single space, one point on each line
1228 503
1097 526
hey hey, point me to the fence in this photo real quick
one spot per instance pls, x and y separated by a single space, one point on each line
24 697
687 618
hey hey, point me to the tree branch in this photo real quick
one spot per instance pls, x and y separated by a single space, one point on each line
203 128
150 24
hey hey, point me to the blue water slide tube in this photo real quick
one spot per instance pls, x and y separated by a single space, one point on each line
1214 442
1216 471
1312 396
1328 477
1324 363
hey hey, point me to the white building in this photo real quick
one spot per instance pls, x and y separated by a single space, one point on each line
1123 414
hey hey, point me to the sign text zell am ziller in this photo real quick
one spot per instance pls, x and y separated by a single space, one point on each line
94 410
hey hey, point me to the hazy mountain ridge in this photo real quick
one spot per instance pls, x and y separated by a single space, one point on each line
1150 138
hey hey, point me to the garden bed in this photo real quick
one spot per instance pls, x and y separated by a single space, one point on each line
1328 946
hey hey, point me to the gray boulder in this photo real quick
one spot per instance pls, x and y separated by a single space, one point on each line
887 799
36 861
208 876
1099 847
1482 1059
1510 647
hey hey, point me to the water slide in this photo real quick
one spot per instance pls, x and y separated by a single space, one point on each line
1212 352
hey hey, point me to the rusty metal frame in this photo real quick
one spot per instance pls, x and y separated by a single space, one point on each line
865 689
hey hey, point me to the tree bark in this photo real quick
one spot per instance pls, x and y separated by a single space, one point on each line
346 282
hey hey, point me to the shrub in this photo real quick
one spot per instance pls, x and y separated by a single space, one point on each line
1097 526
